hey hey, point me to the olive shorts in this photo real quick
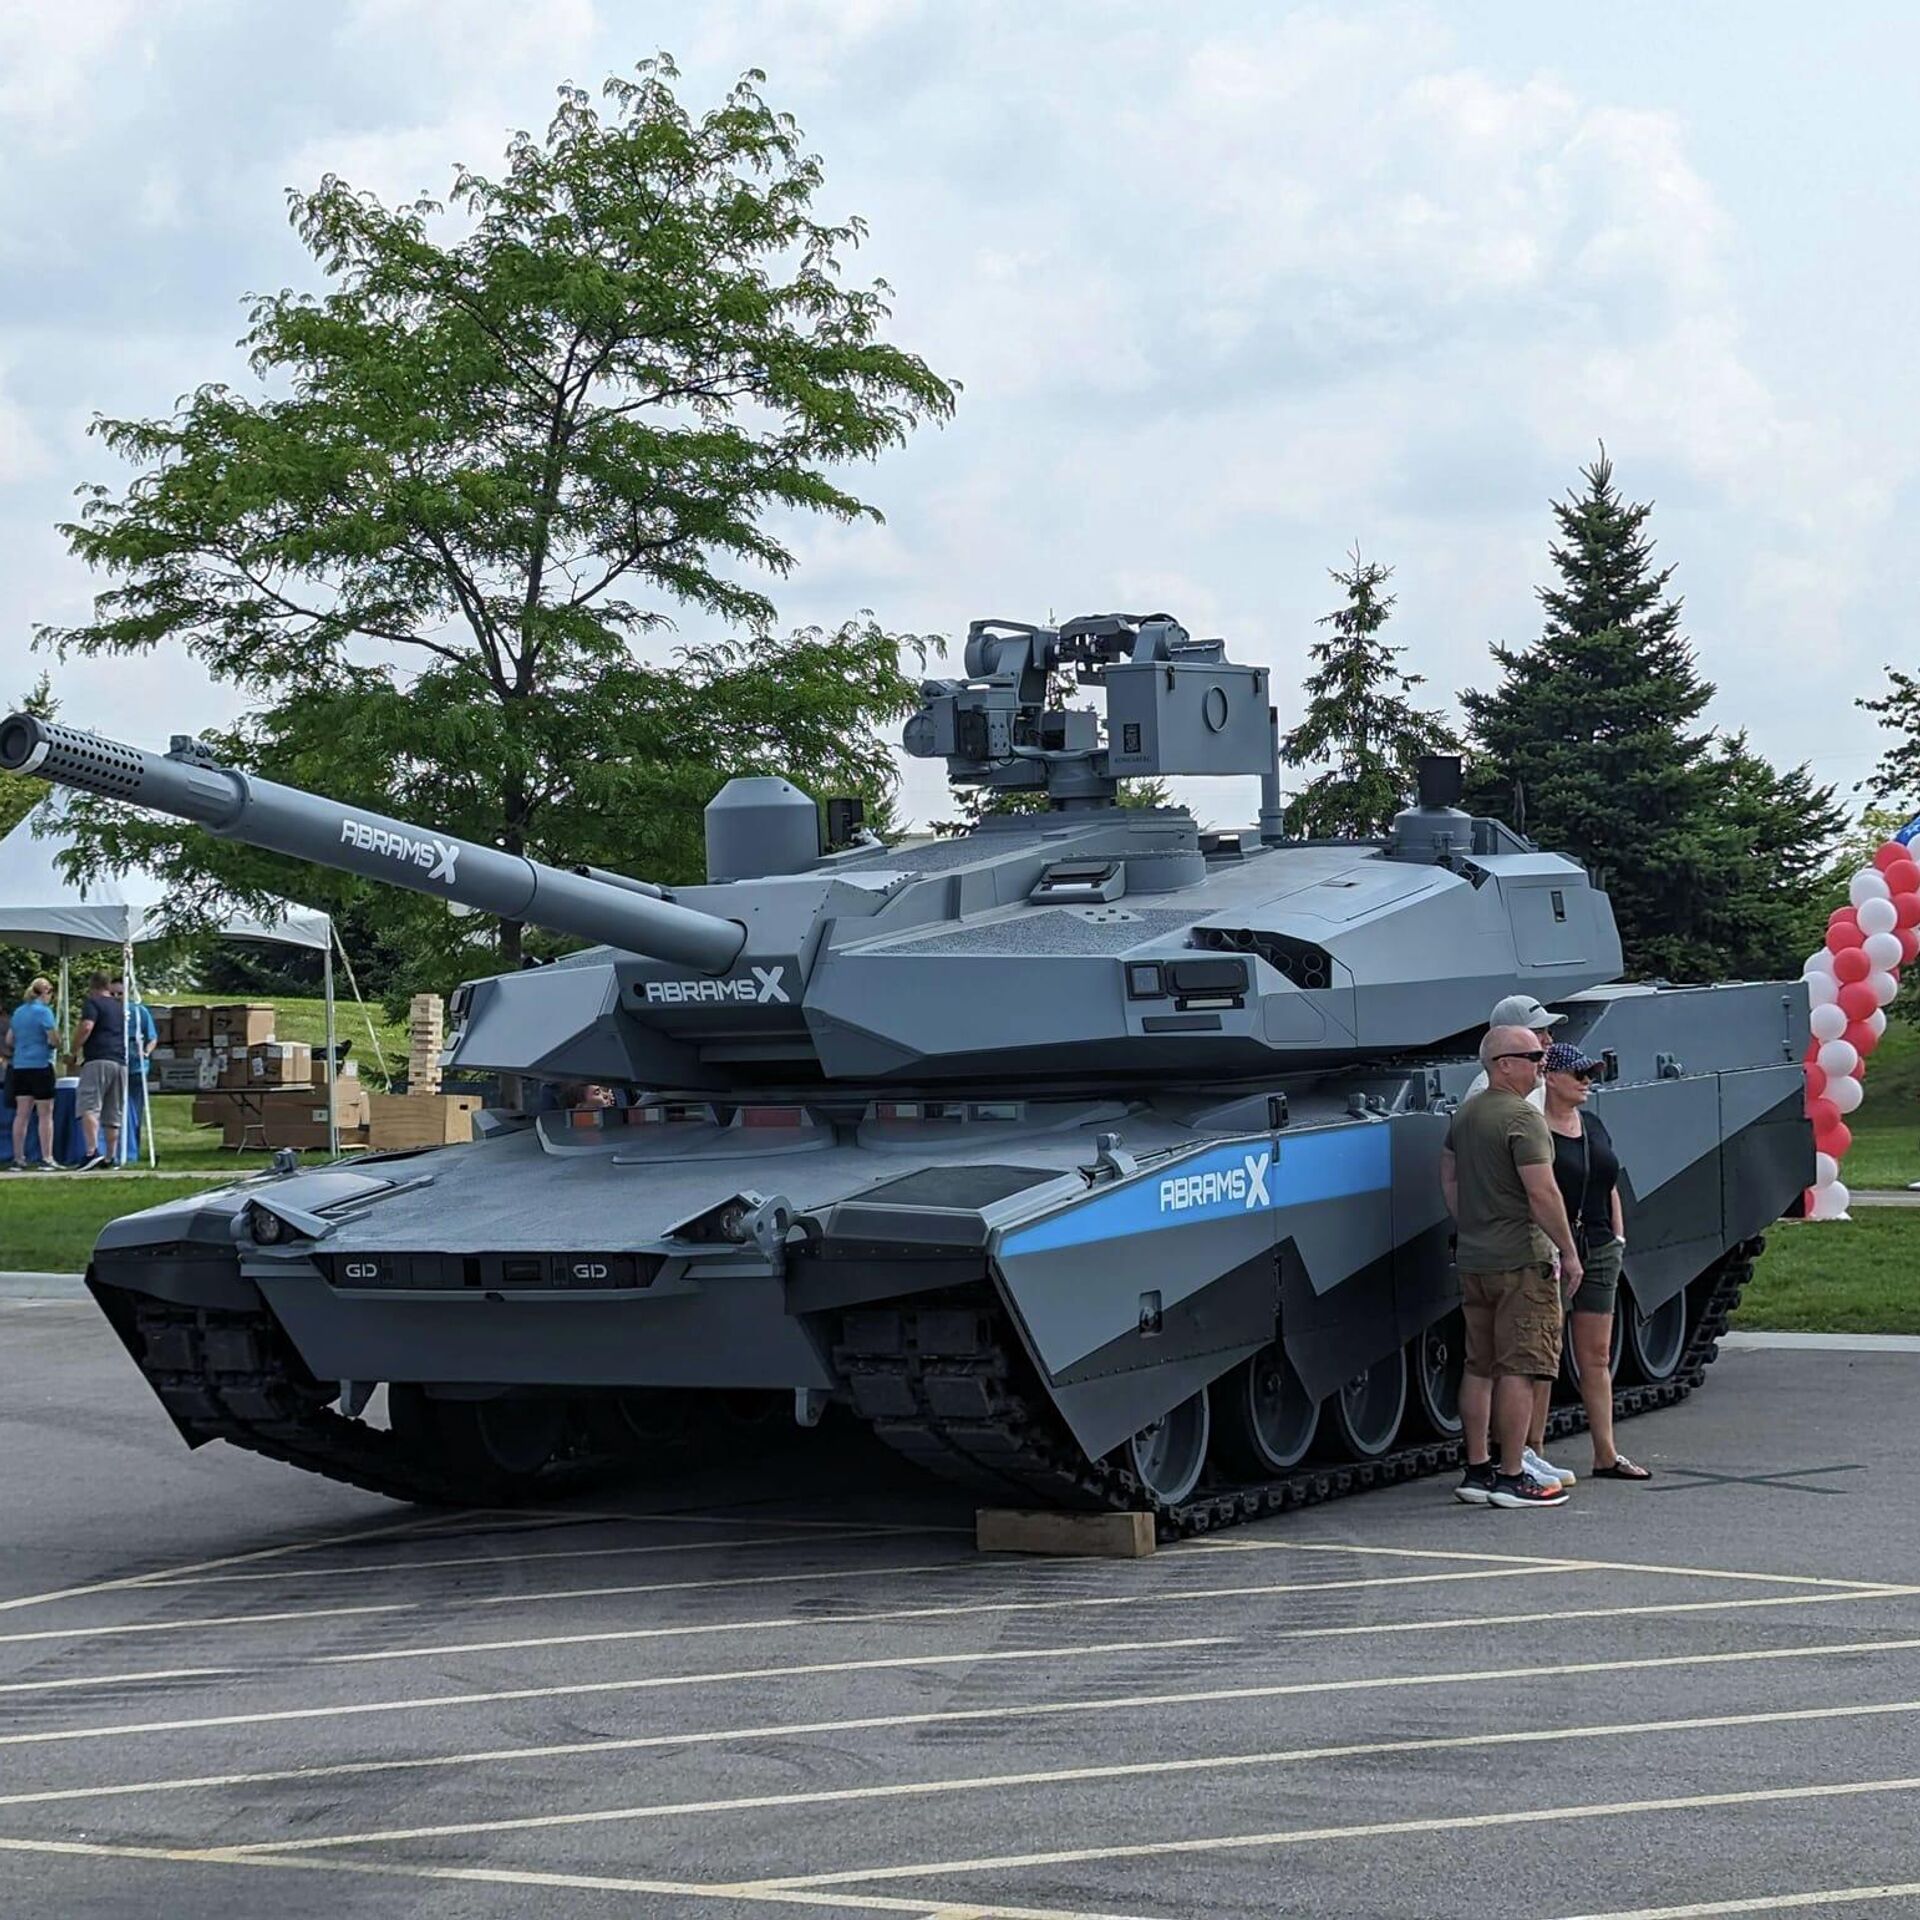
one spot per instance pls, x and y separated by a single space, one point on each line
1513 1322
1602 1277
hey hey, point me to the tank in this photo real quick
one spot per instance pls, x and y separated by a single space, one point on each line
1089 1157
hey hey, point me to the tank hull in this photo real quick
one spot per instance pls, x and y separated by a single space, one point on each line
1100 1262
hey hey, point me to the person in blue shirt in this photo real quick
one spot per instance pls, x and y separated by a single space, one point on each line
30 1075
146 1036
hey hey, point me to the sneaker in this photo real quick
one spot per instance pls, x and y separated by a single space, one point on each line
1543 1469
1517 1490
93 1160
1476 1484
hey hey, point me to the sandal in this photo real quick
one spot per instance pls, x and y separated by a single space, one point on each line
1622 1469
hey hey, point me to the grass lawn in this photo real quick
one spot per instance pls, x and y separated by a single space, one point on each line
1839 1276
1886 1124
48 1222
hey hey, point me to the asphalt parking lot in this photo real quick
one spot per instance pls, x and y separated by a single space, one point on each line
228 1690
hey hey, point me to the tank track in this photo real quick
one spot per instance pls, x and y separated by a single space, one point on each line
944 1387
233 1376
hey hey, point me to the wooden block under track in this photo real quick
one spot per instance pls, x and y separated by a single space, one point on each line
1105 1536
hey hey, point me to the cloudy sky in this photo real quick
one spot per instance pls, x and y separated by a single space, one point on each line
1229 289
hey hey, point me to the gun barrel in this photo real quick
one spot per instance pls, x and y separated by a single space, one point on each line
281 819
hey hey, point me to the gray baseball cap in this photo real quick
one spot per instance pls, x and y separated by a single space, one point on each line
1522 1010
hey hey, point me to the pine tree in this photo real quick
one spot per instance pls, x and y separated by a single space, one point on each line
1896 780
1360 718
1590 746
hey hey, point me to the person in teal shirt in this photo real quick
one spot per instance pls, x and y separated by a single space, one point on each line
30 1076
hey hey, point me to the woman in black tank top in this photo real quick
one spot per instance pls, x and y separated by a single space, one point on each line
1587 1171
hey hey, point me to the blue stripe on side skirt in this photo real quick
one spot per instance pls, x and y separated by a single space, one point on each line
1251 1176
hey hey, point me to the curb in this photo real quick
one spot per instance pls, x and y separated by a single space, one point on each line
42 1286
1826 1342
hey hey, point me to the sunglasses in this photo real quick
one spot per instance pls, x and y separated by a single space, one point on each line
1584 1073
1536 1058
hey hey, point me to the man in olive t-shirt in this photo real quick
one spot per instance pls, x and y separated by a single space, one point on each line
1496 1172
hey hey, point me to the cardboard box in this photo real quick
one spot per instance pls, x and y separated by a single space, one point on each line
192 1026
191 1075
280 1063
162 1026
310 1103
244 1026
421 1120
234 1068
286 1130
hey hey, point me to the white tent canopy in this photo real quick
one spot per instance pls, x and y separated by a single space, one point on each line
41 909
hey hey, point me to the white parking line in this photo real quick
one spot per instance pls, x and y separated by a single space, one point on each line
1515 1559
646 1683
969 1783
137 1580
808 1622
953 1610
500 1600
938 1717
144 1676
1370 1830
362 1572
1763 1903
850 1901
1473 1622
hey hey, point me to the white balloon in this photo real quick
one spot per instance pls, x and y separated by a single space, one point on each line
1827 1023
1868 884
1822 989
1838 1059
1818 961
1877 1023
1826 1169
1878 916
1830 1202
1883 950
1845 1093
1884 986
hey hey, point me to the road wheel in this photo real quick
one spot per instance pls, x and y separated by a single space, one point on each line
1366 1412
1167 1454
1264 1420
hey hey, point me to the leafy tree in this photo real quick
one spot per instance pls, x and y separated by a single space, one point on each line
479 469
1590 745
1360 718
20 793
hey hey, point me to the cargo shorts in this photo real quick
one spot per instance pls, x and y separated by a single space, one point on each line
1513 1321
102 1090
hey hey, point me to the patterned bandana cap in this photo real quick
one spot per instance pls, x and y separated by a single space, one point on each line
1562 1057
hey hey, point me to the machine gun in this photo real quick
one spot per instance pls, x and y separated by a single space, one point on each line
1174 705
187 783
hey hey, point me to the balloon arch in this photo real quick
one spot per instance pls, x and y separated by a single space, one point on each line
1852 980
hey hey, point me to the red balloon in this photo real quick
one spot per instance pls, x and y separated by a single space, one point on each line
1850 965
1903 876
1909 945
1835 1139
1890 854
1839 914
1858 1001
1862 1039
1844 935
1824 1115
1816 1081
1906 908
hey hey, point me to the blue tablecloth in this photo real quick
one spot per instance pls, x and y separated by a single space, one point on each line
68 1147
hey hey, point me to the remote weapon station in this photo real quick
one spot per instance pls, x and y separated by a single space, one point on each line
1089 1157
